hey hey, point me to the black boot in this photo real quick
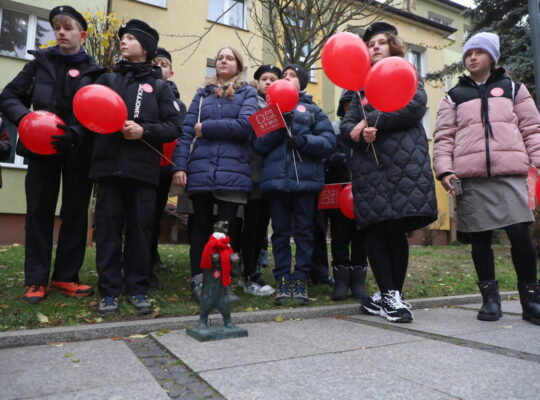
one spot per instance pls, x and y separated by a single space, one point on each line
358 279
491 301
529 296
341 282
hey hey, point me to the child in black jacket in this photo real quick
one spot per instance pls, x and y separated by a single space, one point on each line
49 83
126 165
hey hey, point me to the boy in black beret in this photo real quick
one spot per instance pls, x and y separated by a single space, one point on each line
164 61
126 165
49 83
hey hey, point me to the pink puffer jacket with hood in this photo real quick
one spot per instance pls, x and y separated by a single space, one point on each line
487 130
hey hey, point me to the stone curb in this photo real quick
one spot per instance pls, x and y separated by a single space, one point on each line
114 329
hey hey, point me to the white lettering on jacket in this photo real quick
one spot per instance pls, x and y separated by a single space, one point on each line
138 102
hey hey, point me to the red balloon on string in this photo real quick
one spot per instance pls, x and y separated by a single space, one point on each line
37 128
346 204
284 94
391 84
168 150
346 61
100 109
538 191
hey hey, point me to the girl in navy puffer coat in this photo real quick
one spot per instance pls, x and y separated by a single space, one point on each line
292 184
212 157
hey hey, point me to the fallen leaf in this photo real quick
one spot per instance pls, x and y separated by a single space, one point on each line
15 245
68 355
57 344
162 332
137 336
250 309
62 304
117 338
75 360
174 298
506 326
279 318
4 306
93 304
42 318
99 319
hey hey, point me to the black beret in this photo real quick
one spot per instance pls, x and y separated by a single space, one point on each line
161 52
379 27
147 36
300 73
267 68
70 12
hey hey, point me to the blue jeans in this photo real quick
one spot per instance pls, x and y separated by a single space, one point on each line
292 212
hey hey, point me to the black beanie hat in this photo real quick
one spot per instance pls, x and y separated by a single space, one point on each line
379 27
145 34
346 96
70 12
161 52
300 73
267 68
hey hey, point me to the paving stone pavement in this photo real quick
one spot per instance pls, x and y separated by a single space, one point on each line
444 354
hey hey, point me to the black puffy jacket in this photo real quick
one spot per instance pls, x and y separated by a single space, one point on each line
150 103
37 85
401 186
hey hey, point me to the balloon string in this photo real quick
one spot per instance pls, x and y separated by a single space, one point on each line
157 151
372 145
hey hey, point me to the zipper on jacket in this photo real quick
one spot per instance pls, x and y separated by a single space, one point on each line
487 126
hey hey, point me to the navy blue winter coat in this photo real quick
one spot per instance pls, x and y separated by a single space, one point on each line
220 158
278 172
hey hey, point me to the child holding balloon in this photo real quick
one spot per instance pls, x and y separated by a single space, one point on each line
292 175
126 166
49 83
487 136
393 187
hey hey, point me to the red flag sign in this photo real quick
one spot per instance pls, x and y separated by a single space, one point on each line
267 120
329 196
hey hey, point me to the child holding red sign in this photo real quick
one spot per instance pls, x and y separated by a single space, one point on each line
487 137
292 183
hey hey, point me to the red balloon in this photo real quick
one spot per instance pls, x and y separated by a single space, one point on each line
346 61
346 204
538 191
391 84
100 109
284 94
37 128
168 150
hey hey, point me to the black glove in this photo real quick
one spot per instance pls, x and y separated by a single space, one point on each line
288 117
338 160
297 142
66 141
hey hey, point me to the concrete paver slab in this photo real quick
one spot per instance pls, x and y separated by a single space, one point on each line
449 321
271 341
520 338
102 367
511 306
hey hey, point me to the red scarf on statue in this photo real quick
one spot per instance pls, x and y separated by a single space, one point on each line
224 249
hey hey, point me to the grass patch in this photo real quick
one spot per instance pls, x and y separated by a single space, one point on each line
433 271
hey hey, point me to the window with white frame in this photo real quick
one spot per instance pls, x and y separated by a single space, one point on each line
157 3
443 20
228 12
417 56
210 67
20 32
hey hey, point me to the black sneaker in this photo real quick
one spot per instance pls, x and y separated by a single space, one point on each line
108 306
394 309
300 293
284 292
141 303
372 305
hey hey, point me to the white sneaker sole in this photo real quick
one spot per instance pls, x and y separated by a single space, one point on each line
255 292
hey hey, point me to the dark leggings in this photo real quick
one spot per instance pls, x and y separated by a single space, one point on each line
522 251
388 253
203 221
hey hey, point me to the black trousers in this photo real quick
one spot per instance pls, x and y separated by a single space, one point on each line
319 261
162 195
344 235
42 189
388 253
254 231
124 220
203 221
292 213
522 251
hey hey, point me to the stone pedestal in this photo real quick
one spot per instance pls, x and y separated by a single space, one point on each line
217 333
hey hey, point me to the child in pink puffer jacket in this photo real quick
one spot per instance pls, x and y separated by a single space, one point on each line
488 136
